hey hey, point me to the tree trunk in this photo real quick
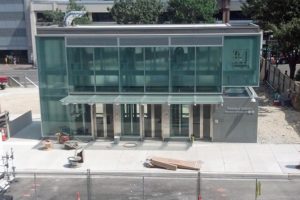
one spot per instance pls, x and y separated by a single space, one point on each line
292 65
292 70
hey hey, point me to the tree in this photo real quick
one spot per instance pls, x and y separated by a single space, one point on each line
136 11
192 11
57 16
283 19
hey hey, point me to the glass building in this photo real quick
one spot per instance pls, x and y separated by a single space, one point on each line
148 81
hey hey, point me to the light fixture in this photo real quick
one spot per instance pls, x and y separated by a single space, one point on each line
253 100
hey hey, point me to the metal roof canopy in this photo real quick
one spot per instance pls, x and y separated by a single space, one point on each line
162 29
142 99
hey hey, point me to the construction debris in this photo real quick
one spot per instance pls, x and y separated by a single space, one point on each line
172 164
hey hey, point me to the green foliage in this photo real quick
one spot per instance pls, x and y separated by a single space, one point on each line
192 11
283 19
57 16
136 11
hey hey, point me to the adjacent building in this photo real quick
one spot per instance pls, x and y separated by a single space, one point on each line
15 31
150 81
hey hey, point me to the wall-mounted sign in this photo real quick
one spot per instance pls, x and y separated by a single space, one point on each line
239 110
240 58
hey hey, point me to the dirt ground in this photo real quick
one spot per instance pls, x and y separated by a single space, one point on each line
277 125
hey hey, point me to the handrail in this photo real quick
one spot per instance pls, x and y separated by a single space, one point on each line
21 85
31 81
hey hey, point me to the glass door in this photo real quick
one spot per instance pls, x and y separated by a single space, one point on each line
130 119
99 120
180 120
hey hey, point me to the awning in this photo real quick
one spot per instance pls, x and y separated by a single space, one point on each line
142 99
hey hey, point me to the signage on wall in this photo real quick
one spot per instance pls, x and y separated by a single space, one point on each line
239 110
240 58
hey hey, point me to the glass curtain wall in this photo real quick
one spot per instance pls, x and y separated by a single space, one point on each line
80 119
145 69
182 69
52 84
157 69
241 61
81 69
132 69
107 69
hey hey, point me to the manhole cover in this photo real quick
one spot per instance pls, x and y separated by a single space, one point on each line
130 145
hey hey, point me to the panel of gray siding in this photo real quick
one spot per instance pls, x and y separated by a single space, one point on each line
13 42
92 41
13 24
12 16
11 2
12 8
192 40
12 32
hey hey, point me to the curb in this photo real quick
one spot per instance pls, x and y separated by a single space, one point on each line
158 174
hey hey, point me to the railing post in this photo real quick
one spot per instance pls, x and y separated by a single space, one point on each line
143 188
34 180
88 184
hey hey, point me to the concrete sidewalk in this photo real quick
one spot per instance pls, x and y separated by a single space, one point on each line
104 156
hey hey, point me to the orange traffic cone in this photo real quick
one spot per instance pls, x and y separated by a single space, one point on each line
77 196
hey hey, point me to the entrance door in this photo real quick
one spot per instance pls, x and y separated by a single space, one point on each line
152 120
99 120
180 120
130 114
104 120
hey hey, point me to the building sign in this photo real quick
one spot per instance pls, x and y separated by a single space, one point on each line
239 110
240 58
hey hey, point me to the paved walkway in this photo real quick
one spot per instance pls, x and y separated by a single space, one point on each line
104 156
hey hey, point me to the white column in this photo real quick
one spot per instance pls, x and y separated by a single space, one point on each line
191 117
201 121
104 121
212 107
142 135
117 119
165 121
93 121
152 121
33 33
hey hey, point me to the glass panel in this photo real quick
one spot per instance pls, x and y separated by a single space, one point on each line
130 119
241 61
52 84
208 69
107 69
147 120
80 119
109 120
180 120
132 69
182 69
157 120
81 69
206 121
196 121
99 120
157 69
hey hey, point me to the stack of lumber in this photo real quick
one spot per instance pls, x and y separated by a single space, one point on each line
173 164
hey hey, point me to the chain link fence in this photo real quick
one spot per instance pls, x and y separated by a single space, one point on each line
155 186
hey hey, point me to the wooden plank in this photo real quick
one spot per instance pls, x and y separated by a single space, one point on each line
163 165
193 165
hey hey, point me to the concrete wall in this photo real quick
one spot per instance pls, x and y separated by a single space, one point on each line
19 123
235 121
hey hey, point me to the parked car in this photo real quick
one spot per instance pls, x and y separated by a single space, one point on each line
3 82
